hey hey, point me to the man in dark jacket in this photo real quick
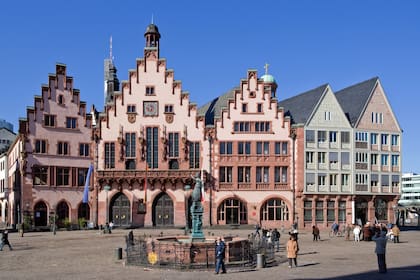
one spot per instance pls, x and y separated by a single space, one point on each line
220 255
5 240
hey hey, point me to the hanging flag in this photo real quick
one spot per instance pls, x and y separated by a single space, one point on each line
86 190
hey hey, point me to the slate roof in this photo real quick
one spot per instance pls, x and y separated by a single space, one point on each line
301 107
353 99
213 109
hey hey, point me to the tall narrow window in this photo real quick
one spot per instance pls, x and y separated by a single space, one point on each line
225 148
307 210
173 144
225 174
130 145
152 134
49 120
244 174
62 148
194 154
319 211
63 175
84 149
71 123
109 155
40 146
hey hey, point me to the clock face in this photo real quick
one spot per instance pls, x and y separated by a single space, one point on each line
150 108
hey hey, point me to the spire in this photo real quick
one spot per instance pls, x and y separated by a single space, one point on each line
266 68
111 57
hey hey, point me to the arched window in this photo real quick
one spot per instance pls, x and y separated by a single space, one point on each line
62 214
232 211
274 210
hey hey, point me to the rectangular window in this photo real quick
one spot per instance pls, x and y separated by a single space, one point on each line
333 179
169 108
342 211
62 148
40 146
130 145
109 155
345 137
225 148
333 157
327 116
81 176
384 139
309 157
244 174
384 160
84 149
321 157
152 146
225 174
131 108
361 136
385 180
319 211
263 148
173 144
244 148
150 90
374 159
280 174
331 210
345 158
373 138
194 154
345 179
374 179
333 136
63 175
395 140
259 108
40 175
244 107
322 179
395 160
71 123
262 174
49 120
281 148
307 210
310 179
310 136
322 136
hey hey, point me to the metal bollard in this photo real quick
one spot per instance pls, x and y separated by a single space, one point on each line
260 261
118 253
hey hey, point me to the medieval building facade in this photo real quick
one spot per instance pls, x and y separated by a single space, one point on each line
315 158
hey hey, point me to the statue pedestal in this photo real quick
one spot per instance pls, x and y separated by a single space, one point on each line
197 224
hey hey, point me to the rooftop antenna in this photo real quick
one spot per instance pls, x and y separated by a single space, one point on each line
266 68
111 57
152 19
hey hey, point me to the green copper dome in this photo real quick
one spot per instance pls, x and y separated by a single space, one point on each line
267 78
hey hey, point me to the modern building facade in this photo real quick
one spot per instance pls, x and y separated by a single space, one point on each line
409 204
49 160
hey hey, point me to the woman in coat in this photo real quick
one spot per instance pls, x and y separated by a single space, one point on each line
292 250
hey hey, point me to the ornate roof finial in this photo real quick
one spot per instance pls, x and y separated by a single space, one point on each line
266 68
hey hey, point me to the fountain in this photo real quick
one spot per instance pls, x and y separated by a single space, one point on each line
188 252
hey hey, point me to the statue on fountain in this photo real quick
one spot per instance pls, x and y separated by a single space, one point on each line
197 209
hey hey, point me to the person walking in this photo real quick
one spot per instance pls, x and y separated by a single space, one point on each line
275 238
220 255
5 240
315 233
380 249
396 233
356 233
292 248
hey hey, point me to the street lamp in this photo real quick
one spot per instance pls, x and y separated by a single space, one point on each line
293 136
187 190
107 189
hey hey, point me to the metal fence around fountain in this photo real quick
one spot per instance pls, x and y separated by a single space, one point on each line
168 253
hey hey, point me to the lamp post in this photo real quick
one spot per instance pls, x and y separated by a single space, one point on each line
293 136
187 189
107 189
210 180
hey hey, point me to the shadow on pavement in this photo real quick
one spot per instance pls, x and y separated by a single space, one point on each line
406 273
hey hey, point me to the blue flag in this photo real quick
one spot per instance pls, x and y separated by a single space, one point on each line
86 190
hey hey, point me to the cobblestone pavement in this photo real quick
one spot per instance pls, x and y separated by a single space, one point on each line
92 255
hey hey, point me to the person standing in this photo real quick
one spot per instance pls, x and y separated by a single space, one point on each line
396 233
220 255
292 248
356 233
315 233
5 240
275 237
380 249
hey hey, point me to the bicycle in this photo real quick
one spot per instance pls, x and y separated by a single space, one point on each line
337 233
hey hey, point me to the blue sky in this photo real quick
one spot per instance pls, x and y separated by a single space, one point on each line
211 45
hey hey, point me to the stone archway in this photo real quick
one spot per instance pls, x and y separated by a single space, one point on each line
163 210
232 211
40 214
361 209
62 214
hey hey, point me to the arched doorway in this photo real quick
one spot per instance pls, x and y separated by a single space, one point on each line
163 211
40 214
381 210
232 211
62 214
120 210
361 211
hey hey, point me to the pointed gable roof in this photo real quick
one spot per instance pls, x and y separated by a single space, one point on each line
213 109
301 107
354 99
